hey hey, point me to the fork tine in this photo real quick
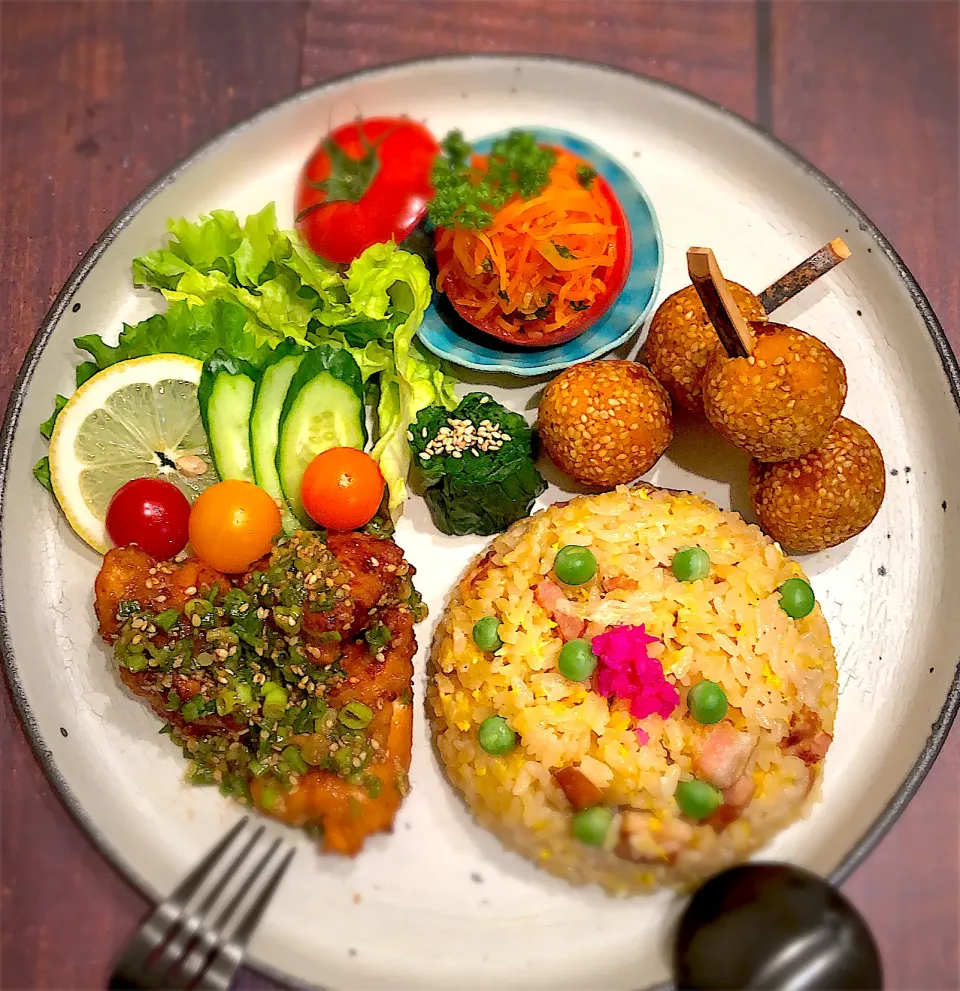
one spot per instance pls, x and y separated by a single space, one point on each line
189 885
251 918
244 889
226 957
190 921
212 935
164 918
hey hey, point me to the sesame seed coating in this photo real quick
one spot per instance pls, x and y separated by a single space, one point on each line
681 341
605 422
780 402
825 497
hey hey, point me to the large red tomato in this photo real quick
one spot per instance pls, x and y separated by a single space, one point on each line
367 182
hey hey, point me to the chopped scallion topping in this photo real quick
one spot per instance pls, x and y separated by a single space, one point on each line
356 715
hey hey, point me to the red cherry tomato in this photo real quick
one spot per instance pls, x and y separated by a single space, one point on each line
532 334
151 513
367 182
342 488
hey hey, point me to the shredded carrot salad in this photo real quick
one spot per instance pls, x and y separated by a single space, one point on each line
545 259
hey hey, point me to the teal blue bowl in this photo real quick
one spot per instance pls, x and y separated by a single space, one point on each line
447 335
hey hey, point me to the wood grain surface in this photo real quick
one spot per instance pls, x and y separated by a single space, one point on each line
871 97
98 99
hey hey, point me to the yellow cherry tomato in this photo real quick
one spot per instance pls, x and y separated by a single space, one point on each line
232 524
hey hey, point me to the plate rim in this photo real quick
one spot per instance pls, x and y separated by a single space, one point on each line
940 728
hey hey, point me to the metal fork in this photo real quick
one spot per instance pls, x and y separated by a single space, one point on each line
185 943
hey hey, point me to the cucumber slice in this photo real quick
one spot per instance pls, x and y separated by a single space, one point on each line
275 378
225 395
323 409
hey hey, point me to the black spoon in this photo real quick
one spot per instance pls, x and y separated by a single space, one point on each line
773 927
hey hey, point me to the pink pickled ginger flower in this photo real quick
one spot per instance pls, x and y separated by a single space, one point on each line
626 671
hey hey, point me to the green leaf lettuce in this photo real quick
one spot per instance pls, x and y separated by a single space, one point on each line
242 288
373 310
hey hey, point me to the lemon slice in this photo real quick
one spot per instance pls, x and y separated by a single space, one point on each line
135 419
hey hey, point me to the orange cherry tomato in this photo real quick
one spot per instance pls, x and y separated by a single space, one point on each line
342 488
232 525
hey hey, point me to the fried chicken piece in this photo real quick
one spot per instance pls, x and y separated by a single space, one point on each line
149 685
357 622
349 812
385 674
372 570
382 681
129 574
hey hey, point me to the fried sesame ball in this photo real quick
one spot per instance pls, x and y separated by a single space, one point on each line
682 340
605 422
824 497
780 402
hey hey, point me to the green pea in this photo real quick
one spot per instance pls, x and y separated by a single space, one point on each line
577 660
707 702
591 826
691 564
495 736
697 799
796 598
486 633
574 565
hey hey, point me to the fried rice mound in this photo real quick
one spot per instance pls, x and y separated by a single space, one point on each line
576 748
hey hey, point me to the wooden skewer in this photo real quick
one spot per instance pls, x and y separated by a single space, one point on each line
731 327
805 274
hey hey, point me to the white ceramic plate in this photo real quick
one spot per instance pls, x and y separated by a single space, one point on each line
438 904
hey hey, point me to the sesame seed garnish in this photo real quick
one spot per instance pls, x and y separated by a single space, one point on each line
459 435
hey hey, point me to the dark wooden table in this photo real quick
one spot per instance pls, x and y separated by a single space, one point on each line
98 99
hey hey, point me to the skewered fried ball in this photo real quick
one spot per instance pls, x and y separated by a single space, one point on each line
605 422
825 497
780 402
681 341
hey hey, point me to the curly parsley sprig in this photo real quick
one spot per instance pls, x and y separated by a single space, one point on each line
468 197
